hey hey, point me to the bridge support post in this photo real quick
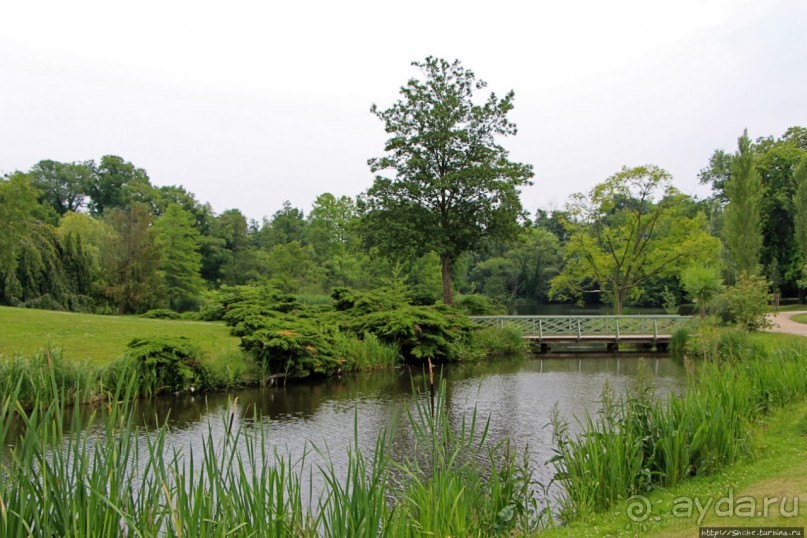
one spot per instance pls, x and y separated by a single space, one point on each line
612 347
546 349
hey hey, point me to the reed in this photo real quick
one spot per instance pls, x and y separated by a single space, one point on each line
638 442
115 478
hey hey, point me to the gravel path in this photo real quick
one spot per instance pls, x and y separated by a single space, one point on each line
783 324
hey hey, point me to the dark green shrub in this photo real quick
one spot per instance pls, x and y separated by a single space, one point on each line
160 365
421 332
161 313
365 302
190 316
290 345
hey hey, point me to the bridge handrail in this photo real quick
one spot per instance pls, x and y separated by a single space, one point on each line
591 325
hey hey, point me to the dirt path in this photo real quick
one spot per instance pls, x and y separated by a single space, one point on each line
783 324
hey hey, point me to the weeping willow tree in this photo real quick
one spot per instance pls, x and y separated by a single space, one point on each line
38 268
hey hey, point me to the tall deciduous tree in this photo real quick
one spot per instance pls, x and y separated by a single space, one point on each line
454 185
63 185
743 227
180 261
116 183
630 228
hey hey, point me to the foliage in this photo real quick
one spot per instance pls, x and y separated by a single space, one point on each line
630 228
132 260
746 303
800 216
159 365
116 184
701 283
499 341
669 300
160 313
640 442
290 345
111 476
421 332
474 304
742 228
180 262
45 376
454 185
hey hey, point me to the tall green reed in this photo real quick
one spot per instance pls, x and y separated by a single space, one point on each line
114 477
638 442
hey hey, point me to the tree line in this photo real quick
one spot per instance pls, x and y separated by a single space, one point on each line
443 216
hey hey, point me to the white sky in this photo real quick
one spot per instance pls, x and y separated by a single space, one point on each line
249 103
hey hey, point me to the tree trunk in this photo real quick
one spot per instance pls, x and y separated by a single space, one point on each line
448 284
620 301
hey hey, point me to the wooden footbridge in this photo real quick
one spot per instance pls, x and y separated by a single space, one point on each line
544 331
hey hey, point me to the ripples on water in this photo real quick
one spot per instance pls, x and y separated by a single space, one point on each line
518 396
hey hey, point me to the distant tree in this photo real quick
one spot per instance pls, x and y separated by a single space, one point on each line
743 228
132 260
116 183
702 283
775 160
63 185
629 229
718 173
180 261
18 202
331 226
454 185
286 225
800 217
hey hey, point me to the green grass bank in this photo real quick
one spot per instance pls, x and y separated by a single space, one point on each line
100 340
739 431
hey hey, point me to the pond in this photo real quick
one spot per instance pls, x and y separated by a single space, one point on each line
517 395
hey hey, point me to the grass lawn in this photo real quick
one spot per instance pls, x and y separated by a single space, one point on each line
801 318
777 470
102 339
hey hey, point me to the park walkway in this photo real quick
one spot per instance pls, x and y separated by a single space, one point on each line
783 324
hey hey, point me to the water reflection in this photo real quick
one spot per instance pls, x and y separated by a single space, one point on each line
517 395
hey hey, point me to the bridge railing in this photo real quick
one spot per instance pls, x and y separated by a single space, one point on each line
581 326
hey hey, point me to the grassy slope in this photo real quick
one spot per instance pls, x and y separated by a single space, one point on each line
102 339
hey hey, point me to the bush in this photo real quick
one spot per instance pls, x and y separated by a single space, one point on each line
160 365
479 305
499 342
746 303
293 346
421 332
160 313
190 316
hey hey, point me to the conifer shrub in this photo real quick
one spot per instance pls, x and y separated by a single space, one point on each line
291 345
160 313
160 365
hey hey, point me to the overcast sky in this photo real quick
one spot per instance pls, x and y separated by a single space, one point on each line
249 103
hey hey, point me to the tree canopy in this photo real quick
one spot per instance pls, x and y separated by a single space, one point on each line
630 228
453 184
